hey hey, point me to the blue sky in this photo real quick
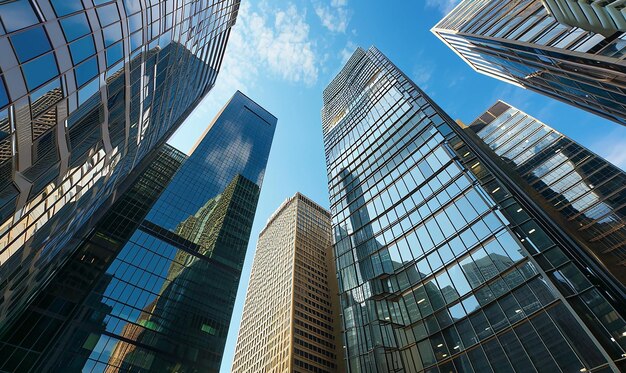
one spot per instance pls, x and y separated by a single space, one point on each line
283 53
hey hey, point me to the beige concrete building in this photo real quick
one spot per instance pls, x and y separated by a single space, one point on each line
290 320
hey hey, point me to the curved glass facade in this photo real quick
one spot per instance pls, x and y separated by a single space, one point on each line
87 91
441 266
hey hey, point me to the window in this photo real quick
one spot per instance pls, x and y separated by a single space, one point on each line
30 44
17 15
86 71
75 26
82 49
40 70
65 7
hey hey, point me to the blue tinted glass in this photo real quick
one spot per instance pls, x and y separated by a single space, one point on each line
4 98
86 71
112 34
75 26
17 15
82 49
108 14
63 7
88 91
114 54
40 70
30 44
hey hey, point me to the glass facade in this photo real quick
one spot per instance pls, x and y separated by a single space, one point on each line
87 91
290 321
521 43
153 287
585 191
441 267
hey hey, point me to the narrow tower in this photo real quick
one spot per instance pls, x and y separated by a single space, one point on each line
290 321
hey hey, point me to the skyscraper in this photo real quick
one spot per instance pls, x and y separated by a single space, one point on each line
602 17
290 321
577 188
152 287
442 262
87 92
519 42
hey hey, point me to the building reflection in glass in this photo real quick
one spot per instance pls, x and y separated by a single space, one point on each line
584 192
93 91
167 288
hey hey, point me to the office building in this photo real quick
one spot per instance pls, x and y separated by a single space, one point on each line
290 321
88 91
602 17
577 188
152 287
443 264
521 43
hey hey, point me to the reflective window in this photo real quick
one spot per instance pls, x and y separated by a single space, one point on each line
40 70
75 26
65 7
82 49
18 14
112 34
86 71
108 14
4 97
31 43
87 91
114 53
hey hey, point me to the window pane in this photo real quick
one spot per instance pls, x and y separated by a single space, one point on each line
86 71
64 7
40 70
108 14
75 26
30 44
82 49
17 15
112 34
114 53
4 98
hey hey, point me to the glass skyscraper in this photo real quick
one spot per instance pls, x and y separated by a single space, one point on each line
88 90
443 265
519 42
290 321
152 287
584 193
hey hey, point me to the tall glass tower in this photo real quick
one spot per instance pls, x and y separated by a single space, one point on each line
87 91
152 287
442 264
522 43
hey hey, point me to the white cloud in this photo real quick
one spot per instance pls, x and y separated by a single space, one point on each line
335 17
347 51
444 6
286 47
275 43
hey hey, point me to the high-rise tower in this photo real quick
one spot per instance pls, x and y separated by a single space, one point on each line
290 321
521 43
442 261
87 91
152 287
